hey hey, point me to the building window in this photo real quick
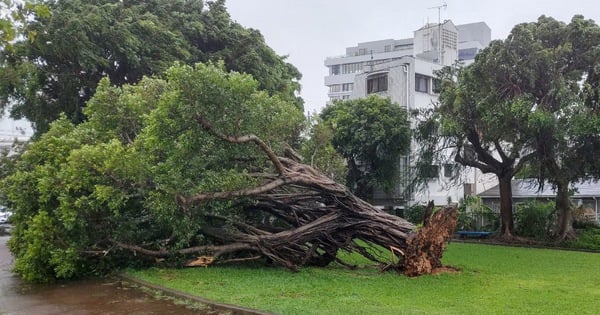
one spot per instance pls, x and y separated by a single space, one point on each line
387 48
377 83
467 54
421 83
345 97
351 67
362 51
449 170
347 87
430 171
335 69
334 88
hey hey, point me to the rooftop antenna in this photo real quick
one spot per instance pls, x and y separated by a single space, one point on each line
439 42
439 8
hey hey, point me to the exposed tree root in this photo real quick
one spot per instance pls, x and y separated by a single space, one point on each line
299 217
425 249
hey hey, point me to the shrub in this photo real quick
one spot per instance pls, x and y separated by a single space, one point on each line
474 215
415 213
586 239
535 219
583 217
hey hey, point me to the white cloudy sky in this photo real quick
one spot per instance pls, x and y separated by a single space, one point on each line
310 30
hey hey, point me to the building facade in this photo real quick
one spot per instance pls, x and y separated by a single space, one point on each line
404 70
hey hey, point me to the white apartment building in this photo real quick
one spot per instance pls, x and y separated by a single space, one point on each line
403 70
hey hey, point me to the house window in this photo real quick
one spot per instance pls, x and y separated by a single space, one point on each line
377 83
347 87
421 83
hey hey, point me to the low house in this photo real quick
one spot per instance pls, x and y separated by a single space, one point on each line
585 195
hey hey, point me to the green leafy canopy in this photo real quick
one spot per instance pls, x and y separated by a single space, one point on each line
63 49
79 190
371 134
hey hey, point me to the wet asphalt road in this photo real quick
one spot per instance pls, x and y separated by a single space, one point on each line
80 297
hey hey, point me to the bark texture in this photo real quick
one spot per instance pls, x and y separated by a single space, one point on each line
565 229
506 208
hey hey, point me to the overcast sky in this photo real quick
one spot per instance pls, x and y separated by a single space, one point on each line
310 30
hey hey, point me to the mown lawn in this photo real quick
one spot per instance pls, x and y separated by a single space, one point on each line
493 280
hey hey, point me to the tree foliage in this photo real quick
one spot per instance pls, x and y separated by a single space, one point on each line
371 134
80 190
530 100
66 49
566 121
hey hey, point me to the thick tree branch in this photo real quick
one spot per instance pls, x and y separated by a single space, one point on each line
482 154
500 150
485 168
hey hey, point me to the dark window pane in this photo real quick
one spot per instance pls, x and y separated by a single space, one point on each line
377 83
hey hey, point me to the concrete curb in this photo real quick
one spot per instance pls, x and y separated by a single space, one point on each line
237 310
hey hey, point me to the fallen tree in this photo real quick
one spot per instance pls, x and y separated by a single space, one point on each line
321 217
159 174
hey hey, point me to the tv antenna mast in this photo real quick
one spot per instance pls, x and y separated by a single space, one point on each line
439 39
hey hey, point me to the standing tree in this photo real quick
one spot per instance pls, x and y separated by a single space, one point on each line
65 51
565 123
371 134
477 122
523 101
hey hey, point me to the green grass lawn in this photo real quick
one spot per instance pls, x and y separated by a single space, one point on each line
493 280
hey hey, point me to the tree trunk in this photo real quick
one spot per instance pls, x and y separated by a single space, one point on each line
424 250
564 214
506 207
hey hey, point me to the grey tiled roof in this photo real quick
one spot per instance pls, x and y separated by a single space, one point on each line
524 188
